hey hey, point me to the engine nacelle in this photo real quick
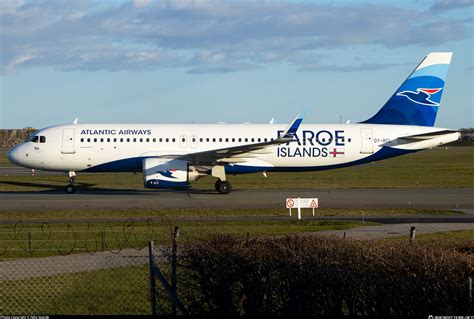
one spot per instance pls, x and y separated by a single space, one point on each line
166 173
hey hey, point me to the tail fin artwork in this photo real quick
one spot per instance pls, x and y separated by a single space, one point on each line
417 100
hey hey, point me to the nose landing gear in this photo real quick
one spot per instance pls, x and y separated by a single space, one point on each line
70 187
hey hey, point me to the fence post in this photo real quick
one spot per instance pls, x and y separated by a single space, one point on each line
152 279
412 234
29 241
174 257
469 294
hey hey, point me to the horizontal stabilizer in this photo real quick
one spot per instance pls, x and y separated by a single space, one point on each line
426 136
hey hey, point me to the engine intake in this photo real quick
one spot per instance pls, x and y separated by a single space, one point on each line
165 173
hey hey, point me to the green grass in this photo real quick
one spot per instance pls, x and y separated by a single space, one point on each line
3 158
434 168
34 240
453 236
176 213
119 291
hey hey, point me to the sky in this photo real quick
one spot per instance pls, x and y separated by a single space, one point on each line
204 61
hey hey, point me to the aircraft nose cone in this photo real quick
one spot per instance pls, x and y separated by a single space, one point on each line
12 155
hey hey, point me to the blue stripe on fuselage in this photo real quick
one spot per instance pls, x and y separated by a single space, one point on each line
134 164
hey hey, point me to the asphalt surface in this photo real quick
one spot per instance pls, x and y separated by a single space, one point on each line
21 171
462 199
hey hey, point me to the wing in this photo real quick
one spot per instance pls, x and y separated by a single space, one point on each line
240 153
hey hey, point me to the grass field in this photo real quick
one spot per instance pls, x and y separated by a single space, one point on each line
435 168
170 214
36 240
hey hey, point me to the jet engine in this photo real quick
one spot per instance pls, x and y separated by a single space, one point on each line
168 173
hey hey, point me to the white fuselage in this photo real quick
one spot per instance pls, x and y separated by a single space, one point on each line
122 147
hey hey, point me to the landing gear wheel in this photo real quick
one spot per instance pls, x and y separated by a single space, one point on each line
223 187
70 189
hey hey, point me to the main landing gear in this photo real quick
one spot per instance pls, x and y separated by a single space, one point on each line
223 187
70 187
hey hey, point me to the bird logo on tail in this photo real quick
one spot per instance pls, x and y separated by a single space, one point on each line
421 96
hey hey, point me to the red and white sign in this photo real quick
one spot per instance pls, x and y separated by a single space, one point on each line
290 203
301 202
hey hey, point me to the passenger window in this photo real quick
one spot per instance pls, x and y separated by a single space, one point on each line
141 140
82 140
121 140
213 139
265 139
253 140
227 140
101 140
154 140
233 140
173 140
108 140
220 139
349 139
134 140
200 140
246 139
194 140
115 140
128 140
207 139
147 140
167 140
95 140
183 140
240 140
259 139
88 140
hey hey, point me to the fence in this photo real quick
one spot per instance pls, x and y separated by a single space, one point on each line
77 268
112 269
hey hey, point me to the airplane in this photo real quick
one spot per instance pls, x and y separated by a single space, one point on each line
171 156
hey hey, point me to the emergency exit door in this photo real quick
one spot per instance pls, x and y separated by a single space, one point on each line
367 142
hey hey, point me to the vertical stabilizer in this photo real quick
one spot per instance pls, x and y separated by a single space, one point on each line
417 100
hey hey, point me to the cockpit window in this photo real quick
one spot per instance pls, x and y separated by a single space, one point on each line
38 139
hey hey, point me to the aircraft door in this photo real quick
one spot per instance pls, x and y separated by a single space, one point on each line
367 143
68 141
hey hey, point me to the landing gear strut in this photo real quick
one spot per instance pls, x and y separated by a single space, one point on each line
223 187
70 187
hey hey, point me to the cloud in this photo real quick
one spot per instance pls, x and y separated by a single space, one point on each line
206 35
445 5
348 68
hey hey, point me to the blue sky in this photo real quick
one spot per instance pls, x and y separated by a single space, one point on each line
218 60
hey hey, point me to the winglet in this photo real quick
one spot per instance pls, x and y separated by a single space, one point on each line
290 132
